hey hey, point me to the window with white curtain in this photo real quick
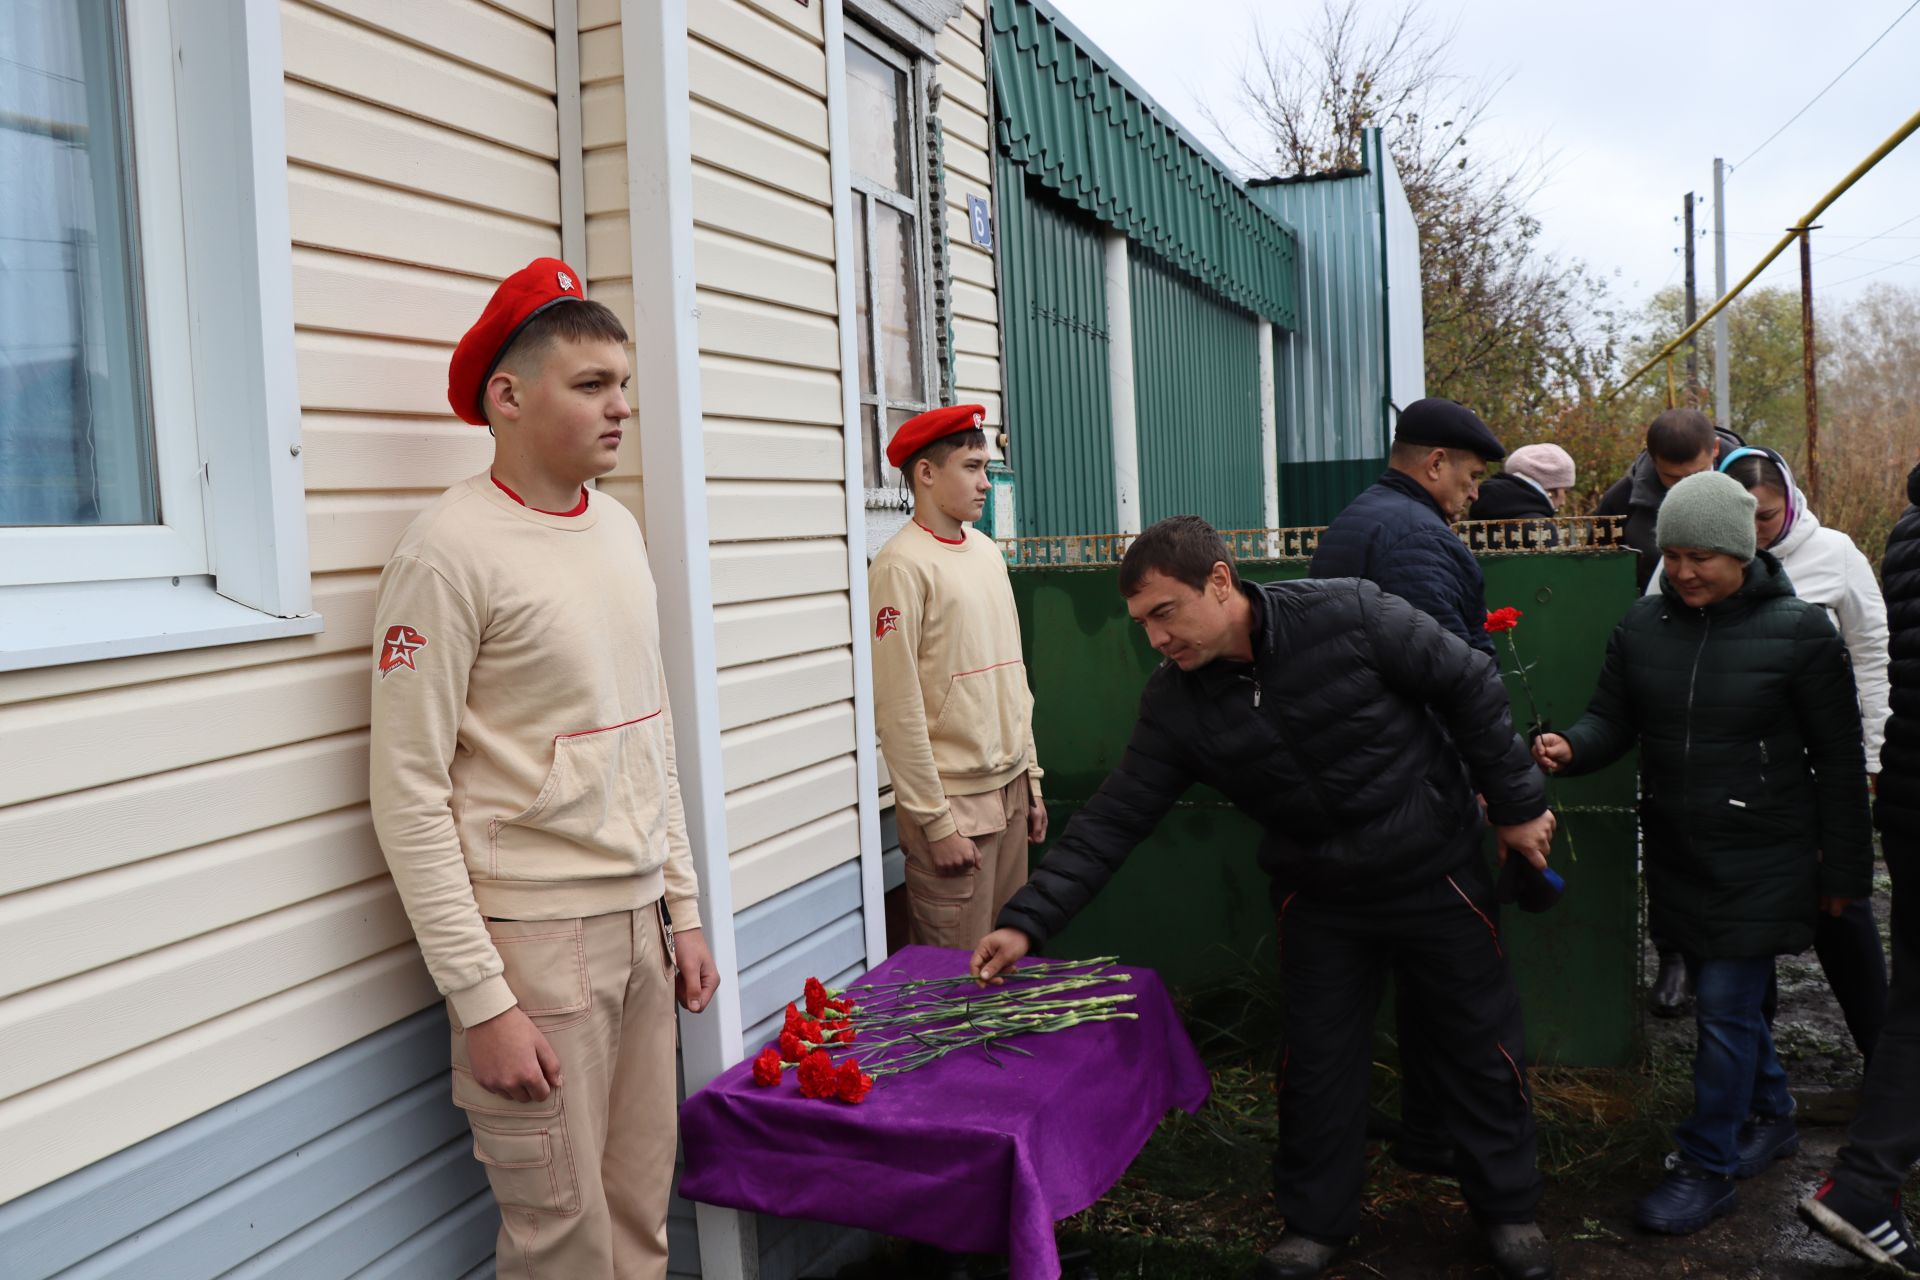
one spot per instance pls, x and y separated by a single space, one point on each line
885 132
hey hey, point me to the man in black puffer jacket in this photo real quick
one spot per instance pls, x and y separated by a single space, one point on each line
1356 732
1860 1204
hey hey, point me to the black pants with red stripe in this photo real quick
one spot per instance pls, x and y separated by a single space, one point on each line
1443 942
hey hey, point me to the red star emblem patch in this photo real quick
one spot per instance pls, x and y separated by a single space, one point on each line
398 648
888 619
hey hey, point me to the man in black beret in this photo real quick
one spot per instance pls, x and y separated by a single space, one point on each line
1398 534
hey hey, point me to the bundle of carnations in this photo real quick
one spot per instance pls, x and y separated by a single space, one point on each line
903 1026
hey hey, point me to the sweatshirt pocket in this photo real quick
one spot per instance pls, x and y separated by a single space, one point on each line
606 792
984 719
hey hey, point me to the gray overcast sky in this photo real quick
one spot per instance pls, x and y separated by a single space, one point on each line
1632 100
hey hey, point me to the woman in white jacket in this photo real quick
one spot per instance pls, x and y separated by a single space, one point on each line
1827 569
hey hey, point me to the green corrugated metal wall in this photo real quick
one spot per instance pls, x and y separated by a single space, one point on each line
1196 373
1053 308
1335 377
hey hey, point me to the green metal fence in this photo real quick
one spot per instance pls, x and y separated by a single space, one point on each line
1192 903
1196 378
1054 359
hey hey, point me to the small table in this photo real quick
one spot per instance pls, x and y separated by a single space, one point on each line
961 1154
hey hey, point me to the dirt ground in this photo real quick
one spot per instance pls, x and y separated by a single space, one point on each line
1195 1204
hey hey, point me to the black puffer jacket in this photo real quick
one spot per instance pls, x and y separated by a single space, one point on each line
1899 807
1335 739
1753 778
1508 497
1395 535
1638 495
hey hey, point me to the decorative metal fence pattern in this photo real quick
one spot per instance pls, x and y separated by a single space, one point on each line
1560 534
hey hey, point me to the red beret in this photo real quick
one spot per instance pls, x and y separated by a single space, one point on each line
521 296
921 430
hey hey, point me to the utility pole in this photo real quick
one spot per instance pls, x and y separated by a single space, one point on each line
1722 398
1807 361
1693 348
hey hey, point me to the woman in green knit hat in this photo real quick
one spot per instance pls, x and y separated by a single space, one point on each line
1754 812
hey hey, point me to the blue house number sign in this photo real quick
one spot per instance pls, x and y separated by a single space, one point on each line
980 222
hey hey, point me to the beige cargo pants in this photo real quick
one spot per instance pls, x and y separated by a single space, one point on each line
582 1177
957 911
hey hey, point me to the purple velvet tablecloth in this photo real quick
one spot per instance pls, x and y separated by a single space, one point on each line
963 1155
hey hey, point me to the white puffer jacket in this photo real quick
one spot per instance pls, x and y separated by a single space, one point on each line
1827 569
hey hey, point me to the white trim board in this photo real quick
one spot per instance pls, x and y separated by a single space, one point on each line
666 379
866 775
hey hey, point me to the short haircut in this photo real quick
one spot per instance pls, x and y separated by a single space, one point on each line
1184 548
1405 454
1680 435
1758 471
945 447
582 320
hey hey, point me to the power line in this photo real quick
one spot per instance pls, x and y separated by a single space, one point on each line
1836 80
1835 284
1883 235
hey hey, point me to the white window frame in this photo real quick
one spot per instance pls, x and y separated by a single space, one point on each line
918 72
228 563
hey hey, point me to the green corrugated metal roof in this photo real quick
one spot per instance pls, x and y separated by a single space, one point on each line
1079 127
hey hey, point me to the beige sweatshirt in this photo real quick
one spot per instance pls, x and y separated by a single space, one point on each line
951 702
522 755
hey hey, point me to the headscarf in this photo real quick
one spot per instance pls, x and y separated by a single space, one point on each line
1795 502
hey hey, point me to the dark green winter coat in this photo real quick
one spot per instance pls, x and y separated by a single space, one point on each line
1754 789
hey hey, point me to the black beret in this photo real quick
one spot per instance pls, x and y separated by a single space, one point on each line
1445 424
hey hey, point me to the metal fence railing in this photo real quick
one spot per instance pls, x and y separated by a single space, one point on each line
1483 537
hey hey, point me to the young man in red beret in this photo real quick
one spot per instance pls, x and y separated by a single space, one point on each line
524 792
951 702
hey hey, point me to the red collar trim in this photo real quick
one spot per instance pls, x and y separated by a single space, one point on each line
951 542
579 509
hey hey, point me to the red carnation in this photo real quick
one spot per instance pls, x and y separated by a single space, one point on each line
1503 619
843 1035
810 1032
851 1084
766 1068
794 1020
817 1079
816 998
791 1050
843 1005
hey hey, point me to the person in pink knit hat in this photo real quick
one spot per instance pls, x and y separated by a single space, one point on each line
1533 482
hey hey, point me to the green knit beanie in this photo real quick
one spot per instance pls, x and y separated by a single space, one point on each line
1709 510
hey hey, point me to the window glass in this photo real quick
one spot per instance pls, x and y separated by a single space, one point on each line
876 121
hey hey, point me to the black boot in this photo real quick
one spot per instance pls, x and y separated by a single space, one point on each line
1671 987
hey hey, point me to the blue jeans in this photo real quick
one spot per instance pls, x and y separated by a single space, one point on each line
1735 1072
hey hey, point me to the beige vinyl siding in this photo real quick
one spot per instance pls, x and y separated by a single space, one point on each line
192 901
967 137
771 393
771 400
